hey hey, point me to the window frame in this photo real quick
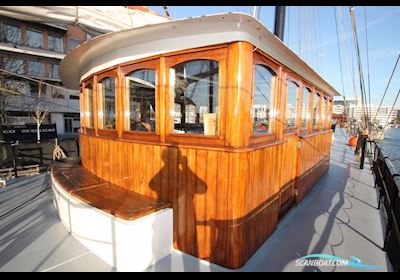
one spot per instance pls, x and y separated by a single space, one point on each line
84 106
324 119
55 36
317 91
37 31
291 77
104 132
218 54
153 64
259 59
70 39
12 24
310 108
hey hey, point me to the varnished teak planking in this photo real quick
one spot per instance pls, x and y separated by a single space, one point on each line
226 191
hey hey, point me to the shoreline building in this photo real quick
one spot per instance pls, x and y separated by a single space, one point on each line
32 44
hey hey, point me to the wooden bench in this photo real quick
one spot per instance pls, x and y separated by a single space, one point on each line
127 230
105 196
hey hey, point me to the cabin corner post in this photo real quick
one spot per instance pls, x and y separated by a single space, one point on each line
240 80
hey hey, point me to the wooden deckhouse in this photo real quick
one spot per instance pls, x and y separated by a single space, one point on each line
213 115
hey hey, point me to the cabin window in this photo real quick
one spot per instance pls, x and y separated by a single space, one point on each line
107 103
262 99
89 106
305 110
195 97
324 112
291 105
140 100
317 97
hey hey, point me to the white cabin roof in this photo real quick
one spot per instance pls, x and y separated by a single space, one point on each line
118 47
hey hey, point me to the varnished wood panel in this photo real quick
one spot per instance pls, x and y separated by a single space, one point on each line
227 192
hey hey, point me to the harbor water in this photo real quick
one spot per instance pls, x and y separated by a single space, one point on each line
391 145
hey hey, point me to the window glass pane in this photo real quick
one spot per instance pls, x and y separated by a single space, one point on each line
11 33
14 65
89 106
195 97
323 112
305 111
55 43
291 105
107 92
140 101
72 43
34 39
262 100
54 71
315 110
35 68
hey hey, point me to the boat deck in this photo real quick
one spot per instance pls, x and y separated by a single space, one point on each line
338 217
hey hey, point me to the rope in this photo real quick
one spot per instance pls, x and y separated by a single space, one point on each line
390 80
340 60
366 43
347 56
391 111
360 72
58 153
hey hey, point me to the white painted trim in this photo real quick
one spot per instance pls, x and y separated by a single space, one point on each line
123 46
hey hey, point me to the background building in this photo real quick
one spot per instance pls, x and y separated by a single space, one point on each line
30 54
31 50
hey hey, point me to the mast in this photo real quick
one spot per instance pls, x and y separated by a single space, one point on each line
256 12
279 21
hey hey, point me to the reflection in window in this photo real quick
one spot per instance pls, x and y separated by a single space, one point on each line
107 104
323 112
315 110
55 43
89 106
140 100
195 97
262 100
11 34
54 71
35 68
73 43
34 38
14 65
305 111
291 105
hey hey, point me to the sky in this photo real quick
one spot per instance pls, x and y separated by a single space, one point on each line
318 45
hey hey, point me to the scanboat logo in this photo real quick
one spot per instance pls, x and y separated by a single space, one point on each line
329 260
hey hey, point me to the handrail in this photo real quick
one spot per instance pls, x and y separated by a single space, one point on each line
387 181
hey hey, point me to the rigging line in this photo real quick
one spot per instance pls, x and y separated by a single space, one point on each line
360 73
390 80
34 80
368 77
320 61
288 28
340 61
391 111
299 32
347 56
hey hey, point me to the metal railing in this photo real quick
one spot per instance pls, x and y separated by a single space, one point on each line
387 182
14 164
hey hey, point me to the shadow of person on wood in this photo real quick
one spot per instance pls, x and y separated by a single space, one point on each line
178 184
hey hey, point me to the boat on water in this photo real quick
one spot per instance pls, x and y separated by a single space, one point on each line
196 135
